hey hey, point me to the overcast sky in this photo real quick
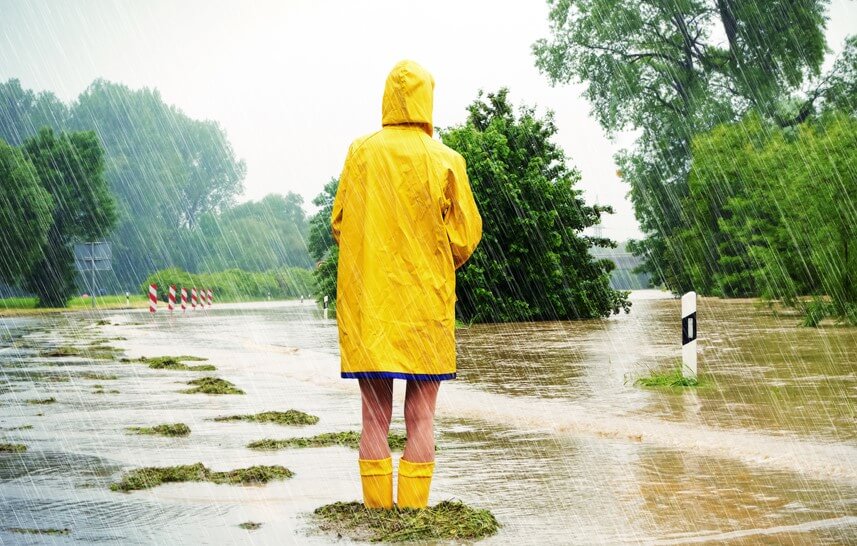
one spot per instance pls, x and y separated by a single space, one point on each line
293 82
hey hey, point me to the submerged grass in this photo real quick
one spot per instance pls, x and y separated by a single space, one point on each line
669 378
95 352
448 520
145 478
174 429
347 439
212 385
290 417
50 400
250 525
48 531
176 363
12 448
93 376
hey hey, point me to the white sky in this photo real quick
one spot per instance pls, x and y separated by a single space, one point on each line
293 82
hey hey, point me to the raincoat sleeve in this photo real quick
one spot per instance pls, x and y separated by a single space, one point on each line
339 201
462 219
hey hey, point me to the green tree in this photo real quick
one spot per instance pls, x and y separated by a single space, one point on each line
25 215
166 170
70 167
321 246
533 262
778 206
23 112
257 236
659 68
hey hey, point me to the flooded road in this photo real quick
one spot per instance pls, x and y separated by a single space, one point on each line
544 427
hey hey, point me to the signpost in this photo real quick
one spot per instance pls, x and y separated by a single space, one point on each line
91 257
688 335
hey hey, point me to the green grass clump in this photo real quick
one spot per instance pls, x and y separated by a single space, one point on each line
212 385
12 448
250 525
290 417
347 439
22 427
95 352
63 351
448 520
145 478
671 378
48 531
50 400
175 429
175 363
93 376
102 391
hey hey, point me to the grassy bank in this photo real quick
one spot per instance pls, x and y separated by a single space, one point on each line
29 305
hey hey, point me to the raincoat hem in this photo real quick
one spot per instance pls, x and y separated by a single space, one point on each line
399 375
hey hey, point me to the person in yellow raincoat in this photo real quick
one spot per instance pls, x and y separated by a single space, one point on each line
405 219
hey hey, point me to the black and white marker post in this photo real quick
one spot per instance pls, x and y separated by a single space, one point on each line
325 307
688 335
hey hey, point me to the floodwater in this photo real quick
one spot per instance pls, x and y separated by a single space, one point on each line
544 427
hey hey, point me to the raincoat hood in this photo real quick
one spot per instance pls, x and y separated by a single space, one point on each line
408 96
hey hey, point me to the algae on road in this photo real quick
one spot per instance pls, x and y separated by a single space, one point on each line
176 363
347 439
290 417
48 531
50 400
12 448
145 478
448 520
211 385
175 429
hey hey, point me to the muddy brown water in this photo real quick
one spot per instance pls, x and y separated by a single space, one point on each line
544 427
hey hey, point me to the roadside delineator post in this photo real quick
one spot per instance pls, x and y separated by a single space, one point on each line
184 299
325 307
688 335
153 298
193 299
171 301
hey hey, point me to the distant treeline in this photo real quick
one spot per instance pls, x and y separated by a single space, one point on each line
235 284
174 181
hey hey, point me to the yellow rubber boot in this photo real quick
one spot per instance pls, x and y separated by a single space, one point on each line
377 478
414 484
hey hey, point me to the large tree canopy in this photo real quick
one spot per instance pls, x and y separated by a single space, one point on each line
670 69
70 167
166 170
25 215
533 262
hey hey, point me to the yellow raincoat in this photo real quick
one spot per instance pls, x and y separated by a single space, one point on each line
405 220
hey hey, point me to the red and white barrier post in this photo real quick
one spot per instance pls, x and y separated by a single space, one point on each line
184 299
210 297
202 298
193 299
171 302
153 298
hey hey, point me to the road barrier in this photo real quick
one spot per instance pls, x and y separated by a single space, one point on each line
153 298
171 299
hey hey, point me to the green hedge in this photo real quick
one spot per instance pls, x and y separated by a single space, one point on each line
235 284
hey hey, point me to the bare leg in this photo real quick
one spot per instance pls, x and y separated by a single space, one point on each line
377 397
420 400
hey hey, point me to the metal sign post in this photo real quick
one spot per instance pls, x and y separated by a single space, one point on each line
91 257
